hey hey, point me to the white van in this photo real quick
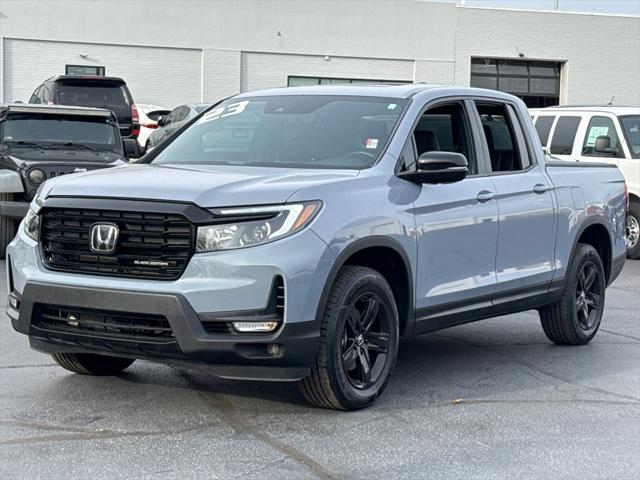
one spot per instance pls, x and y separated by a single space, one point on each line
598 134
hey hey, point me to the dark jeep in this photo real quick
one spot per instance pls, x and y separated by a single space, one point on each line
39 142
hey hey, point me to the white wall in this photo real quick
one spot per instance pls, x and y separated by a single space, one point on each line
602 52
167 76
174 51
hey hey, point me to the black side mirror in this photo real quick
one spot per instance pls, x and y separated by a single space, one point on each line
438 167
131 148
162 121
603 145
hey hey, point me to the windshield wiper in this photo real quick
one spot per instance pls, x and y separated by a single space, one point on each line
27 143
76 145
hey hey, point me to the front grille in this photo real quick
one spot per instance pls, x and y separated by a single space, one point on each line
150 245
124 333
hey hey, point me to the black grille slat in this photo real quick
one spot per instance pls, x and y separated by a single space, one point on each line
165 240
120 325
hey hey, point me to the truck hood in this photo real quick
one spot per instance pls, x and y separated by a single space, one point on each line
206 186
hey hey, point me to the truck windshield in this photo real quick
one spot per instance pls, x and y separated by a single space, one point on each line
47 129
631 128
297 131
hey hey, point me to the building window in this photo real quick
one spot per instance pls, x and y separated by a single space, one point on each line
536 83
306 81
84 70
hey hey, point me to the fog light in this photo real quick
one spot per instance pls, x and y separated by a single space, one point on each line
248 327
273 349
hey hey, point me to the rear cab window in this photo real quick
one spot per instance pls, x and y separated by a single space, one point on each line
564 135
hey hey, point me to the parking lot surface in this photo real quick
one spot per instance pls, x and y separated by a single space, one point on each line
494 399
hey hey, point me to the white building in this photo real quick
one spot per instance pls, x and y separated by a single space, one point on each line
177 51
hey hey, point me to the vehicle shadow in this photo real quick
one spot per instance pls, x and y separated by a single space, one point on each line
504 358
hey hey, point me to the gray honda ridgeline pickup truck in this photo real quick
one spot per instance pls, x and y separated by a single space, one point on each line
295 234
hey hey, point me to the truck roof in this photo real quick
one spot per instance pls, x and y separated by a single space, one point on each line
386 90
614 109
54 109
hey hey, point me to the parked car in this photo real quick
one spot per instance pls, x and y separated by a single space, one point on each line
92 91
40 142
172 122
302 245
149 115
598 134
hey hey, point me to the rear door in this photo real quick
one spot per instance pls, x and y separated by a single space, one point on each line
524 259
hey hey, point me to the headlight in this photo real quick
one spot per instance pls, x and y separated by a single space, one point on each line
255 225
32 225
36 176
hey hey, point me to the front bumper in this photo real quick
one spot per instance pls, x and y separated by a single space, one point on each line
13 209
214 286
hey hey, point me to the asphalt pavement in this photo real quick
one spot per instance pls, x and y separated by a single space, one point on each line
493 399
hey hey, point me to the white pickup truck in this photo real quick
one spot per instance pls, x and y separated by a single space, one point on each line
598 134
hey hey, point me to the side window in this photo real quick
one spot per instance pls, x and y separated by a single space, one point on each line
35 96
501 138
181 114
600 127
45 94
445 128
564 135
543 127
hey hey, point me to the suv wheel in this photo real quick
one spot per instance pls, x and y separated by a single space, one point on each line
8 227
633 230
358 342
575 319
91 364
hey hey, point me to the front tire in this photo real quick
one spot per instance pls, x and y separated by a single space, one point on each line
575 319
633 231
358 342
91 364
8 227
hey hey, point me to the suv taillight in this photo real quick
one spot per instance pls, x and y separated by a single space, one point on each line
135 121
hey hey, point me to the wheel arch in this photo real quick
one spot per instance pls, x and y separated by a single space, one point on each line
595 232
388 257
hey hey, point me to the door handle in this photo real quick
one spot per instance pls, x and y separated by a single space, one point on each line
540 188
484 196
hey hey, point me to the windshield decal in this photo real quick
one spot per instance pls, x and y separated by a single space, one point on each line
225 111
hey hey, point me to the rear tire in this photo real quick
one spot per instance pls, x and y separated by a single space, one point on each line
91 364
633 231
8 227
575 319
358 342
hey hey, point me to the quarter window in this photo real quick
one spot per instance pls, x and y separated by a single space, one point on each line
564 135
599 127
543 127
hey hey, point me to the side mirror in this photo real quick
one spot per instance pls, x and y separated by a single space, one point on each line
603 145
131 148
162 121
438 167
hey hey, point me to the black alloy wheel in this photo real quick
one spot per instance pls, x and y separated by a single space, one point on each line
365 339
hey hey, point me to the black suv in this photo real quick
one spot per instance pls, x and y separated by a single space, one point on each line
39 142
92 91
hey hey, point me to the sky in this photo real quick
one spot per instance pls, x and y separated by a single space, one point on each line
627 7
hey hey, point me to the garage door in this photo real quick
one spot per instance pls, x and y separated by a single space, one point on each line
164 76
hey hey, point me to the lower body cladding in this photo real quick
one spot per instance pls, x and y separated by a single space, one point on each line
188 321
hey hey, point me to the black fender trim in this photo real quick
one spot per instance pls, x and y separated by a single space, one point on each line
362 244
589 222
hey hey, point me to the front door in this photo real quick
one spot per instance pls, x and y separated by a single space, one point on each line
457 228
